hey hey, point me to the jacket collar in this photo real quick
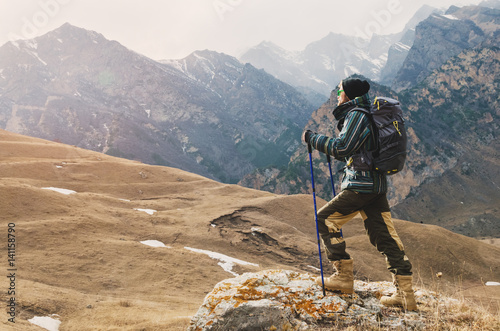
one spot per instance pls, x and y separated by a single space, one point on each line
340 112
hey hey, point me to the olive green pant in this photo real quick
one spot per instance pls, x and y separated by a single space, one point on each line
376 214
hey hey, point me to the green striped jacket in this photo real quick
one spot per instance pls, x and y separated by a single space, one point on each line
354 138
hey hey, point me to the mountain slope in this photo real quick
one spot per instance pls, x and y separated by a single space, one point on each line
260 115
75 86
398 52
284 65
81 255
440 37
456 109
451 118
296 177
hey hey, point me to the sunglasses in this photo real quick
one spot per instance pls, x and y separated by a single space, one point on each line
339 92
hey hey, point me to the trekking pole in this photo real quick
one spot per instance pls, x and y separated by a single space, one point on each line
329 159
309 149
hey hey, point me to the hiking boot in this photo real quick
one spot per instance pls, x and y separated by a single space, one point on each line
404 296
342 280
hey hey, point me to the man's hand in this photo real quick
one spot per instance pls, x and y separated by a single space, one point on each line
306 136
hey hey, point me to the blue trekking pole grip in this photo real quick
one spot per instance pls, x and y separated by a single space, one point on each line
309 149
329 159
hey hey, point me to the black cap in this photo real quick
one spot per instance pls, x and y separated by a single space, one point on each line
354 87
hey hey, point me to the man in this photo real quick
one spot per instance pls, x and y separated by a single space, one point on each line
363 191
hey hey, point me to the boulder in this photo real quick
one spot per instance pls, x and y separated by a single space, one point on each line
289 300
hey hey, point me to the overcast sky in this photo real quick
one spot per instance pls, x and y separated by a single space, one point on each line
172 29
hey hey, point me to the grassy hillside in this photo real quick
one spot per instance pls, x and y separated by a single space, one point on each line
80 255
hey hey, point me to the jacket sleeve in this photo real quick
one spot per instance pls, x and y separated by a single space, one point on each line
354 134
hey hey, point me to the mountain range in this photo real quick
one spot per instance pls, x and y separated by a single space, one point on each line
324 63
388 59
212 115
443 36
452 119
208 113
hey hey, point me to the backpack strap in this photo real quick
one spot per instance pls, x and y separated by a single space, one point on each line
374 128
362 159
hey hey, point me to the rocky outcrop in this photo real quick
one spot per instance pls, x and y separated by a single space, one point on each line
288 300
441 37
399 51
455 117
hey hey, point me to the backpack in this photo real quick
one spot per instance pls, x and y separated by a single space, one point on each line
389 134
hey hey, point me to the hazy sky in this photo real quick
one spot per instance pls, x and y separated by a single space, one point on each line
171 29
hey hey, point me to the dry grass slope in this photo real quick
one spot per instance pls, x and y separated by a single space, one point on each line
80 256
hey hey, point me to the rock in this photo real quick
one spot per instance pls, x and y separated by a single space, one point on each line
288 300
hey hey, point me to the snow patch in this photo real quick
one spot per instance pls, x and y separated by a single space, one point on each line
450 17
59 190
15 44
291 56
32 43
328 63
35 54
174 64
363 56
154 243
350 69
317 269
401 46
147 211
226 262
46 322
317 80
